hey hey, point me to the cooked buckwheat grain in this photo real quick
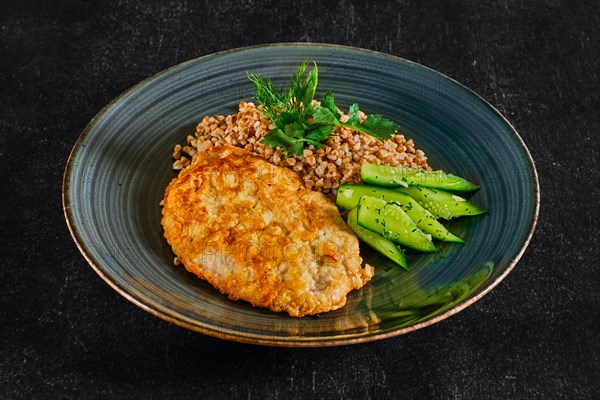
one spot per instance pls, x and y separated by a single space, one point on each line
337 162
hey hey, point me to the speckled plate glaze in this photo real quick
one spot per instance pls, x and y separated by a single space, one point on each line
121 164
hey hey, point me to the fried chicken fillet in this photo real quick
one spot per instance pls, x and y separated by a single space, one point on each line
256 233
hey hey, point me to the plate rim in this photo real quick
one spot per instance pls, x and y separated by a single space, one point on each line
288 341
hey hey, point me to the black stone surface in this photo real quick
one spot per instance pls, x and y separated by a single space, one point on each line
64 333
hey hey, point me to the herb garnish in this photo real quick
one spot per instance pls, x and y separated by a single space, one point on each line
299 123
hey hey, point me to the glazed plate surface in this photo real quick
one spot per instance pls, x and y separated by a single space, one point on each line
117 173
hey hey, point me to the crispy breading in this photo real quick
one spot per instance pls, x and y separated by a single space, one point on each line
254 232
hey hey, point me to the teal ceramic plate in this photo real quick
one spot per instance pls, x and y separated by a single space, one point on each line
121 164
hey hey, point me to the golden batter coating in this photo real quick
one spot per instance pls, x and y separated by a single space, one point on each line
256 233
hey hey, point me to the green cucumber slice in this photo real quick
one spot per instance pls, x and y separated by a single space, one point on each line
349 195
442 204
384 175
372 173
390 221
378 242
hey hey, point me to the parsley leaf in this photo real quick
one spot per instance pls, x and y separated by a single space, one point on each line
320 133
375 125
289 117
294 130
378 126
276 137
330 105
296 149
323 115
354 118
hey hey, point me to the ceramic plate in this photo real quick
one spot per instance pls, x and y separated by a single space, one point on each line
121 164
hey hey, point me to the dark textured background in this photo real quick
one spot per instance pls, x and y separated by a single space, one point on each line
64 333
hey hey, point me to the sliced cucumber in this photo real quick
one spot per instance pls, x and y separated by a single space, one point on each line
378 242
390 221
372 173
442 204
384 175
348 197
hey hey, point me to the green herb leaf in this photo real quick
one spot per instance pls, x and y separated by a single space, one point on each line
319 133
330 105
276 137
353 119
268 95
296 85
302 89
310 87
289 117
295 149
380 127
295 130
323 115
376 126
